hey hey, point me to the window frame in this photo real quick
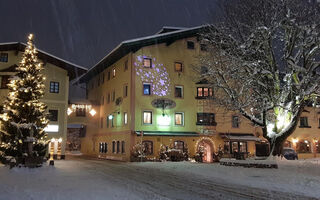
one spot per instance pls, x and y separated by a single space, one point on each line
125 90
150 89
182 91
304 123
182 67
206 116
4 57
53 87
233 125
193 46
123 147
143 121
182 118
56 117
147 58
147 153
210 91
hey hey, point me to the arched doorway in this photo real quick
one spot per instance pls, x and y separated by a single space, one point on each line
206 145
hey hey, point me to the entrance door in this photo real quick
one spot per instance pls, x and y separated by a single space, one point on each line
207 154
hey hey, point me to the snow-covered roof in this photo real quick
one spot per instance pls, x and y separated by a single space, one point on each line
74 70
133 45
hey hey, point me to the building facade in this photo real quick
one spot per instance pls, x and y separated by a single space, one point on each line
58 73
148 94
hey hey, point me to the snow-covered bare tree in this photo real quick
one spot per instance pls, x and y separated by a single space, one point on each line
263 61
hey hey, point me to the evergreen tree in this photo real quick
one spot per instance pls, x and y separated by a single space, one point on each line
24 116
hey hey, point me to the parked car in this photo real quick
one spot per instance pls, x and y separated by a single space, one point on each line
289 153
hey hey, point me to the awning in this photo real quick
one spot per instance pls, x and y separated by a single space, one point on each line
167 133
239 137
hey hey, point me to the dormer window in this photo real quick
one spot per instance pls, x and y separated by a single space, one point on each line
3 57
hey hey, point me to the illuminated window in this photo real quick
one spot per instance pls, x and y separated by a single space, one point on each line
303 146
147 62
179 145
235 121
125 118
178 91
147 88
4 81
54 87
190 45
103 147
179 118
113 95
113 72
304 122
204 92
126 65
123 147
148 147
147 117
178 67
206 119
3 57
125 90
53 115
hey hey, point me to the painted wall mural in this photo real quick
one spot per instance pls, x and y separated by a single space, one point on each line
157 74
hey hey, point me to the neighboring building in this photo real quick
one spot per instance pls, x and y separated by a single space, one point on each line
58 73
147 94
145 85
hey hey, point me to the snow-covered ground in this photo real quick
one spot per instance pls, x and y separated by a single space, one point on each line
80 178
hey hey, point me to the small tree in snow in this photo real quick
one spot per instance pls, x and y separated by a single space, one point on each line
263 61
23 117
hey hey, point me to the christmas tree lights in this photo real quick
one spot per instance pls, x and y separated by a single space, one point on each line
24 117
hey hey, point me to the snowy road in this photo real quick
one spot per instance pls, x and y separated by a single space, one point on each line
80 178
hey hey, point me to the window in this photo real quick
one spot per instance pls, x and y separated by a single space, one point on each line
147 88
125 90
102 100
147 62
98 80
178 91
148 147
113 146
125 65
102 77
80 112
103 147
101 122
203 47
4 81
109 74
235 121
204 92
147 117
113 72
190 45
179 145
108 97
54 87
178 67
53 115
206 119
226 147
237 146
317 143
113 95
123 147
3 57
304 122
112 125
118 147
125 118
108 121
179 119
303 146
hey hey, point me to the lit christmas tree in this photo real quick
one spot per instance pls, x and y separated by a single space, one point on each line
24 116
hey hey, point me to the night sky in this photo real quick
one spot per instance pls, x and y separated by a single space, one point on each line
83 32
